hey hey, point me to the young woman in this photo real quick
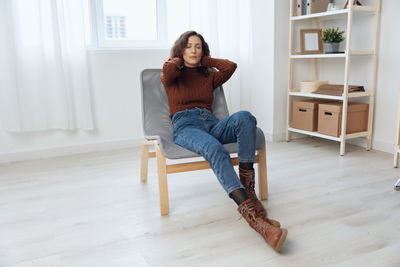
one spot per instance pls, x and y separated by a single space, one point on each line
190 77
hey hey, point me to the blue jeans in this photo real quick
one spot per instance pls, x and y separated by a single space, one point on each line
198 130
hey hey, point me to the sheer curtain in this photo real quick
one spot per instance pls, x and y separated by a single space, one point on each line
44 79
226 26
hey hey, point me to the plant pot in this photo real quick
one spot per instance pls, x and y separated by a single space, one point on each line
331 48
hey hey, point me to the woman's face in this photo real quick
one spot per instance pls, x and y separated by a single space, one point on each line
193 52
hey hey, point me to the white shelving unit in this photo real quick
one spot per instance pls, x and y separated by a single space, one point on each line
343 14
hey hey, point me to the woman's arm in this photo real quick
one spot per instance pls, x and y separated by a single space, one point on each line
225 69
171 70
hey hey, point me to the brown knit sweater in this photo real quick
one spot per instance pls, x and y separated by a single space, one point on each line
188 88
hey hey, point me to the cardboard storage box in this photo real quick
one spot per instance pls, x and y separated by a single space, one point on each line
330 118
305 114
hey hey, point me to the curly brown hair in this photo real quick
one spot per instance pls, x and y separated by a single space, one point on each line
180 45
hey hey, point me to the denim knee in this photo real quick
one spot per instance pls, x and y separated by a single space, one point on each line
244 116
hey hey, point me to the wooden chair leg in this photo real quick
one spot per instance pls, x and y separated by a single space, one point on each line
396 159
162 181
144 162
262 173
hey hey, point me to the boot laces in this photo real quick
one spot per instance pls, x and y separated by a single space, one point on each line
255 208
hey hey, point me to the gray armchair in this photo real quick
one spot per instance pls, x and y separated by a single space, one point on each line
158 132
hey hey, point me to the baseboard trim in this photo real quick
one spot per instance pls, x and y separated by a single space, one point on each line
279 137
268 136
49 152
376 145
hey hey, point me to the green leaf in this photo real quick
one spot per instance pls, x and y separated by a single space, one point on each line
332 35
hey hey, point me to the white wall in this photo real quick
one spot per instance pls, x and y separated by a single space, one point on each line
262 98
116 106
281 29
388 78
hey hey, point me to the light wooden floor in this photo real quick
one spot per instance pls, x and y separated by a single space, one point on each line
92 210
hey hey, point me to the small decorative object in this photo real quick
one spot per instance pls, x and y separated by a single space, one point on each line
311 42
309 86
332 6
332 38
355 2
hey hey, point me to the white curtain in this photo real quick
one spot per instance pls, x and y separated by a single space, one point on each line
44 78
226 26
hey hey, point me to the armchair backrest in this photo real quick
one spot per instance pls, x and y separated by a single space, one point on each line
155 109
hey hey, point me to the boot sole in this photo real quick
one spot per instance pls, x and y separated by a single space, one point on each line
281 240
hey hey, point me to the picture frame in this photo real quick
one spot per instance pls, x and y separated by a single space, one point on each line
311 41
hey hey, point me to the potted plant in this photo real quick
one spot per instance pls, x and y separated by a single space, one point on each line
332 38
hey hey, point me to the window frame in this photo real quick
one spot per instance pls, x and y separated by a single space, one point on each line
98 29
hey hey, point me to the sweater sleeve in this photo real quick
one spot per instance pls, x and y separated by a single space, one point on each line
171 70
225 69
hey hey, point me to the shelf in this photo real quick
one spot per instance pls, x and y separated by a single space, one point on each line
324 136
321 14
336 13
336 55
334 138
334 97
316 95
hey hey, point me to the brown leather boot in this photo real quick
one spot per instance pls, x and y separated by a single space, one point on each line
272 234
248 181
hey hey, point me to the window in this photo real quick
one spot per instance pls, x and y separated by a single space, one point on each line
129 23
115 27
